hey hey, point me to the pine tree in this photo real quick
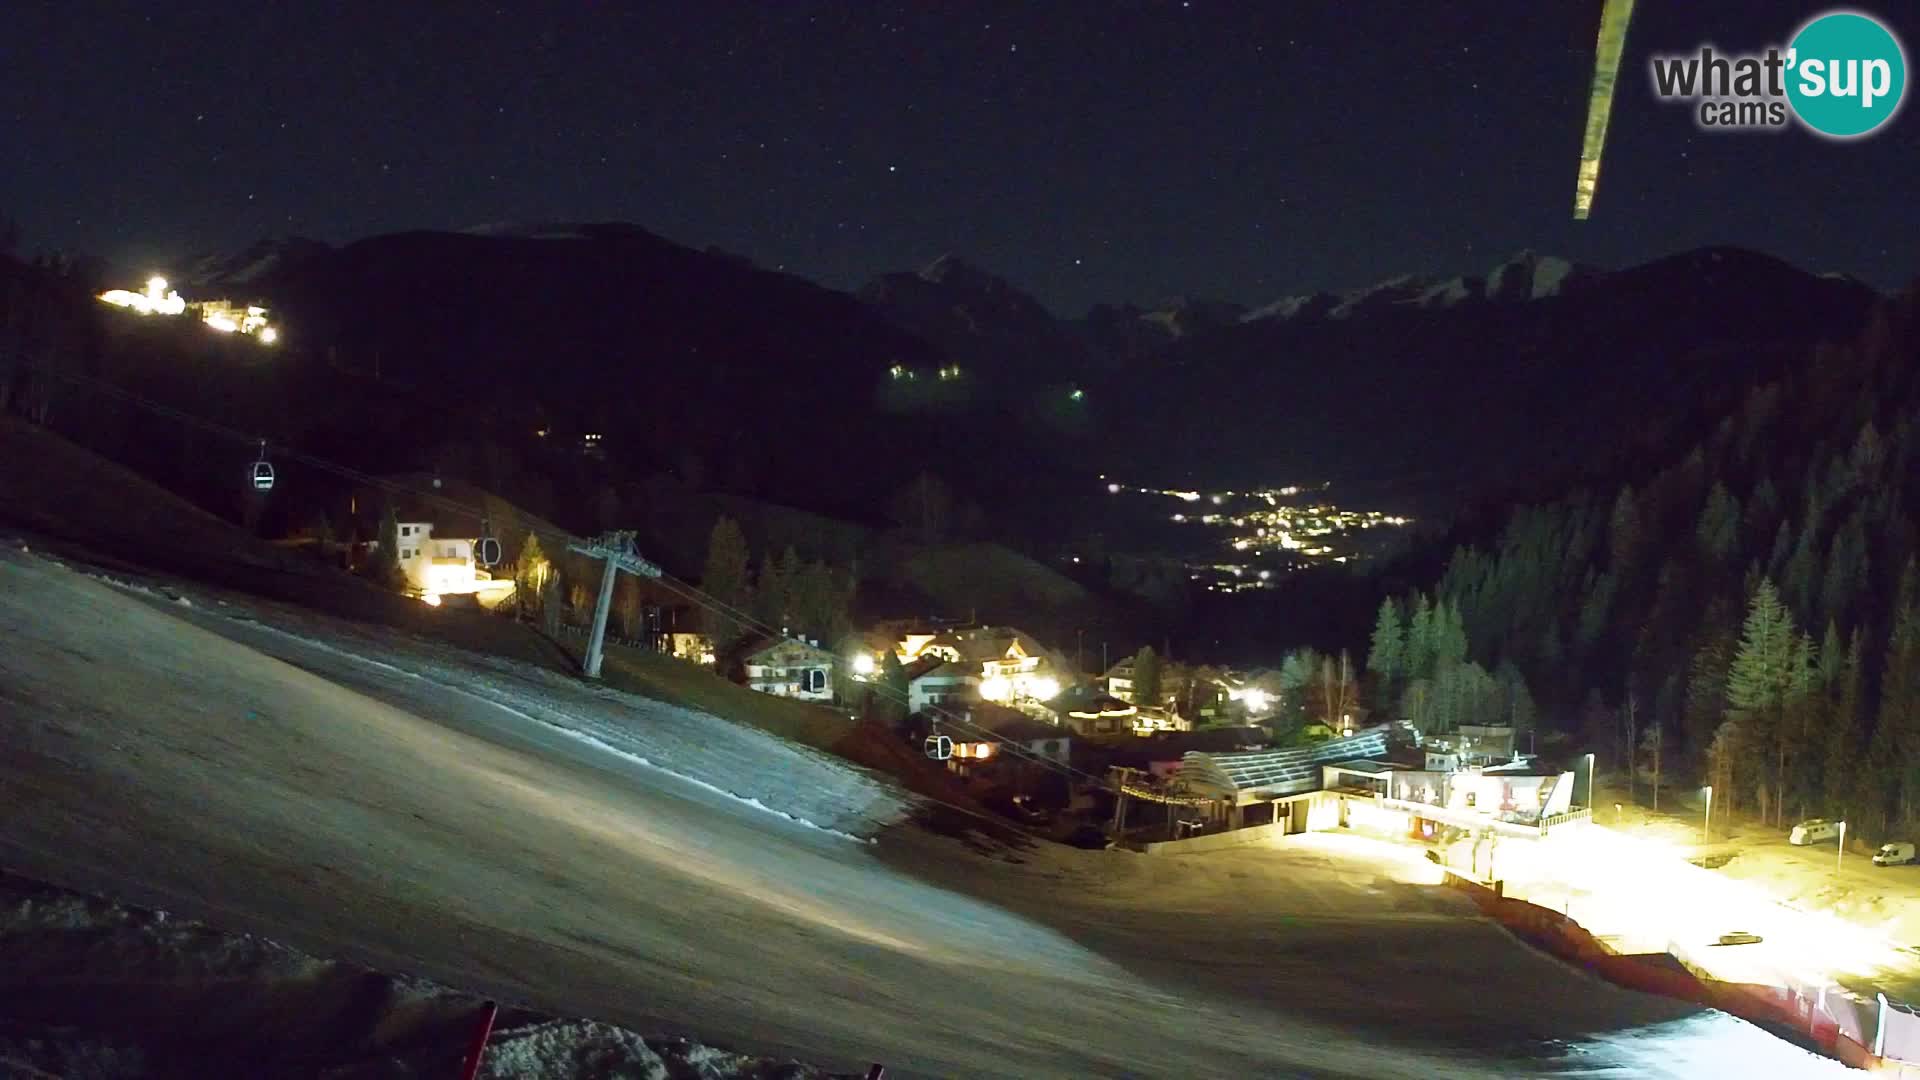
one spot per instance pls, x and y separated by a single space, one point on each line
725 579
1846 732
1899 719
772 594
384 569
1623 533
1719 523
1833 659
1763 508
1804 714
1387 658
1449 637
1420 639
819 611
1801 570
1761 675
1846 576
888 699
1706 694
1782 550
1147 678
1595 607
530 573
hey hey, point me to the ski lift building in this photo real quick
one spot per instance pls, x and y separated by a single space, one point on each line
1264 775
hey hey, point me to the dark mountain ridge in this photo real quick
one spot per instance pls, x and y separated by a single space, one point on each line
1444 402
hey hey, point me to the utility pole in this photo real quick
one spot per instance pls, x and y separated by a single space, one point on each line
617 549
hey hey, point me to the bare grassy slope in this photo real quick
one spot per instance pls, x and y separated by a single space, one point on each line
389 820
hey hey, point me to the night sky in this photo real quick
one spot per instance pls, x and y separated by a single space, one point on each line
1086 151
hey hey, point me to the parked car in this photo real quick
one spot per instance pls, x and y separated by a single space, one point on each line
1898 853
1814 831
1740 937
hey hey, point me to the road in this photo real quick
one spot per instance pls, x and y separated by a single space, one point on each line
317 793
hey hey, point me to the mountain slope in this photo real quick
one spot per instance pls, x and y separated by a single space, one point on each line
457 827
1398 399
979 321
1640 581
668 352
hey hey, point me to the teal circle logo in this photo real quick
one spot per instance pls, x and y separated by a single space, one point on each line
1846 74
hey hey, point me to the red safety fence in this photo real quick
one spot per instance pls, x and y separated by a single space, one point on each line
1842 1026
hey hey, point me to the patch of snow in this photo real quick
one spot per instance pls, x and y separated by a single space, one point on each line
527 231
1550 273
1397 290
1291 307
585 1050
696 748
1448 293
710 753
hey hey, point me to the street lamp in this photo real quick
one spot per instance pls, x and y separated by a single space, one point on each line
1590 770
1706 828
1842 853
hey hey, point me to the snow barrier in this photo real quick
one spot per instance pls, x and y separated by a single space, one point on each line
1835 1024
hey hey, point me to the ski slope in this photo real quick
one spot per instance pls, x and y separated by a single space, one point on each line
389 801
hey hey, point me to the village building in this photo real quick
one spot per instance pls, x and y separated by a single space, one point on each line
935 682
791 668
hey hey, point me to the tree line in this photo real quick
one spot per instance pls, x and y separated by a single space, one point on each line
1744 611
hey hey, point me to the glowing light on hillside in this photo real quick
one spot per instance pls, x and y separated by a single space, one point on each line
156 300
1044 688
863 665
430 599
219 315
996 688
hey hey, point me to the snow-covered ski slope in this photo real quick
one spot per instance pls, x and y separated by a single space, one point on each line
362 795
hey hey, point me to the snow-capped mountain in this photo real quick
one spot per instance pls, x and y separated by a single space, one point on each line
979 320
1524 277
519 230
253 264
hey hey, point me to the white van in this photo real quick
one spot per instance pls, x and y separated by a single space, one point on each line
1898 853
1813 832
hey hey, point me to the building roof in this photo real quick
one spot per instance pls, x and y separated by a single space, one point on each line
921 667
1016 725
1278 772
1084 698
811 654
1371 768
979 644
